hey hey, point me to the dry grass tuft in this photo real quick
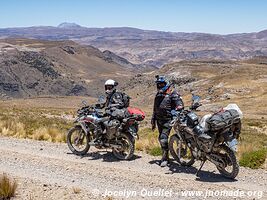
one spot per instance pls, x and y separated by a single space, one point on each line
33 124
245 147
148 141
76 190
12 128
7 187
49 134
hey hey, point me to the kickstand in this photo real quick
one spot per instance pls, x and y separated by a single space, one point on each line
202 163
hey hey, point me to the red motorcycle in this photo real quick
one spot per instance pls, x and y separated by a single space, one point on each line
119 130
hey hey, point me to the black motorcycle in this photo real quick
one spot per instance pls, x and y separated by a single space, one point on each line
118 130
190 142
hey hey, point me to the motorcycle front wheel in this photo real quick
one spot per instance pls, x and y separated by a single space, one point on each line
231 168
78 141
126 151
180 151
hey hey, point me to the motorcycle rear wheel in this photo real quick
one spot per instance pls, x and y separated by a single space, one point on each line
230 159
126 152
78 141
180 151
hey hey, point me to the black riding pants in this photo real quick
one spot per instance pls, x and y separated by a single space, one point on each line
164 129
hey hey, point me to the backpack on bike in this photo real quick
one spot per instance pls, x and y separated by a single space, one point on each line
223 119
140 115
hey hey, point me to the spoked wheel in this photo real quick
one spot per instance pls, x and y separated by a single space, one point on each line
231 167
180 151
78 141
126 151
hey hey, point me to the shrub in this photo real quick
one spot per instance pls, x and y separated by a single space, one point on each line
253 159
155 151
7 187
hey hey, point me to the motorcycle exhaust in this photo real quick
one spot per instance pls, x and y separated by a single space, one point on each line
105 145
216 162
117 146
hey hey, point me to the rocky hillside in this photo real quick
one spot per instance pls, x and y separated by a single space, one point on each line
35 67
217 82
152 47
112 57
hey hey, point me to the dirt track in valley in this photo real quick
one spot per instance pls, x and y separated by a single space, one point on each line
49 171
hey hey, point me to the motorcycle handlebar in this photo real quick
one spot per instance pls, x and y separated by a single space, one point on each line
179 116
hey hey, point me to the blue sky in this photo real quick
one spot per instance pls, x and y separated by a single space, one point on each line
211 16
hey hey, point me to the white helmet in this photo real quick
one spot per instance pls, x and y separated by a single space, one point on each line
110 86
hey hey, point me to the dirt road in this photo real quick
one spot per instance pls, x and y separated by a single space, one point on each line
49 171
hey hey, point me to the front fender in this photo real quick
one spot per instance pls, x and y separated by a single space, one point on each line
82 125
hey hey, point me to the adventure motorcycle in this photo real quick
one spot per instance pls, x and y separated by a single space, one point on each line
194 140
119 129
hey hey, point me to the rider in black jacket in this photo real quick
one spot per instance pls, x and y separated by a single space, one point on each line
114 98
166 101
114 104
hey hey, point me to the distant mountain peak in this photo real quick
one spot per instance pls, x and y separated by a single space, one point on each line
68 25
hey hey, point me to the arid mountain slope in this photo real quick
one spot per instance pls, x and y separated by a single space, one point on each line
36 67
148 47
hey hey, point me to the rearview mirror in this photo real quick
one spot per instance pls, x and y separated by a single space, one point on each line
195 98
195 102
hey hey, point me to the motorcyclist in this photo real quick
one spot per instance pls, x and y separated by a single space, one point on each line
115 103
167 101
114 98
